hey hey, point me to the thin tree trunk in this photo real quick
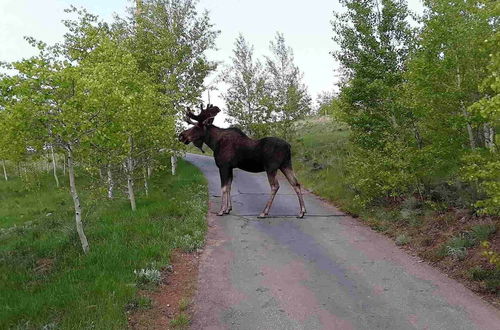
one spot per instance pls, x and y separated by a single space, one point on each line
173 161
146 187
64 166
130 180
472 141
150 171
48 162
76 201
489 136
111 184
492 138
54 166
130 185
4 171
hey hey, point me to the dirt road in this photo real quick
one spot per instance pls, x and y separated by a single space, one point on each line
326 271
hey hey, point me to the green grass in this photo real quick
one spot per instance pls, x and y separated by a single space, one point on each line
184 304
180 321
20 203
320 160
45 280
483 232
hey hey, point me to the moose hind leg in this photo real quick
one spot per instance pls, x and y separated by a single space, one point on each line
273 182
292 179
224 178
229 204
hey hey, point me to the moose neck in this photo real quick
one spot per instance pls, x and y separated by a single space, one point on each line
212 136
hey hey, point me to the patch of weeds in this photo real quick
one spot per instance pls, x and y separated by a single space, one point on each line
411 203
49 326
457 246
440 253
410 215
458 253
184 304
406 214
139 303
461 241
180 321
479 274
490 278
483 232
189 243
402 240
378 226
147 278
493 285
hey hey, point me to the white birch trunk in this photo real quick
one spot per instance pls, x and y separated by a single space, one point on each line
130 184
76 201
489 136
4 171
130 180
173 161
492 138
146 187
64 166
150 171
111 183
48 162
472 141
54 166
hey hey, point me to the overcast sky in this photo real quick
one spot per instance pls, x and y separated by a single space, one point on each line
305 25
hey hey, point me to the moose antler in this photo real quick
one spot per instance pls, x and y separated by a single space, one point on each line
189 121
209 112
191 115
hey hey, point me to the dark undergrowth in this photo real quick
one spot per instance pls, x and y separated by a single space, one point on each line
46 281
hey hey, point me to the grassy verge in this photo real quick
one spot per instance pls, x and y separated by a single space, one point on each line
446 236
46 282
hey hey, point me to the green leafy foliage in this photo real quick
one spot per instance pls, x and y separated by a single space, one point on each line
265 99
421 104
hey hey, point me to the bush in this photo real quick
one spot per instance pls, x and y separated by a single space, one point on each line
402 240
482 169
483 232
147 277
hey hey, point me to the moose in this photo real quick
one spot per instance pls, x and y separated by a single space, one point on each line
234 149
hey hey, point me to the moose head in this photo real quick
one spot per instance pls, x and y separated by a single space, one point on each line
196 134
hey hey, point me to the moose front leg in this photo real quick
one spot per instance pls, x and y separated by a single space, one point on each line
226 178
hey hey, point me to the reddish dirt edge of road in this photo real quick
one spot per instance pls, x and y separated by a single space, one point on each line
177 284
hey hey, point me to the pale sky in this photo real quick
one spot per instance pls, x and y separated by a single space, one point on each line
305 25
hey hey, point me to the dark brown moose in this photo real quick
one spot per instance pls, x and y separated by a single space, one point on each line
233 149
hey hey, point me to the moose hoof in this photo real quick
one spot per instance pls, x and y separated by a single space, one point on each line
226 212
220 213
262 215
301 215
